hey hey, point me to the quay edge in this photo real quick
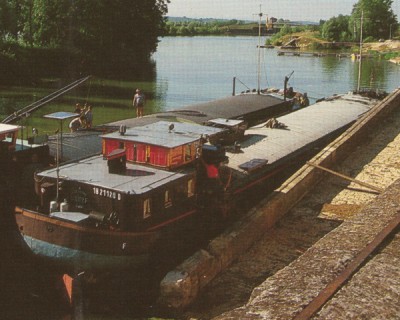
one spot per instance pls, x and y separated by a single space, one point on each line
181 286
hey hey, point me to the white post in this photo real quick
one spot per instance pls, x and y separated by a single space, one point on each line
58 165
361 42
259 52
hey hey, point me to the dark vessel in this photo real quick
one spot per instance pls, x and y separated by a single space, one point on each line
19 159
154 182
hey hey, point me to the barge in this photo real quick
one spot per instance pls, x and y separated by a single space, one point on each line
164 182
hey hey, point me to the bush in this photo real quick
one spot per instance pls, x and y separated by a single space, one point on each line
369 39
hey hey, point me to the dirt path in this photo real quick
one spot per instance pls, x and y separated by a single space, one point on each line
331 202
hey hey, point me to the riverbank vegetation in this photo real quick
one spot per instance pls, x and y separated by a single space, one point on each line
64 38
376 18
193 27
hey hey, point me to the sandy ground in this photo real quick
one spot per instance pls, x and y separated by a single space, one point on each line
331 202
386 46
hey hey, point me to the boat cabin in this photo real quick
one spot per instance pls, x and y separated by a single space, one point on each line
162 144
23 151
8 137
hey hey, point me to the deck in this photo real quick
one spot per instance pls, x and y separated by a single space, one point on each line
302 128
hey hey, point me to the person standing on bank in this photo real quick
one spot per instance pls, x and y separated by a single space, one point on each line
138 103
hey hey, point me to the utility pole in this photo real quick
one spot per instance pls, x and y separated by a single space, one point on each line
360 59
260 14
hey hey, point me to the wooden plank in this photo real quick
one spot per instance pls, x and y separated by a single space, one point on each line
364 184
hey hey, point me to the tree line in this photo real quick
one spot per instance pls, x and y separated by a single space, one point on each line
200 27
379 22
88 32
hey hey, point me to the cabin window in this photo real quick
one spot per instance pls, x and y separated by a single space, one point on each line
9 137
167 199
190 188
121 145
146 208
188 152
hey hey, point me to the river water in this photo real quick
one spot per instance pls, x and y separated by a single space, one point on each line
198 69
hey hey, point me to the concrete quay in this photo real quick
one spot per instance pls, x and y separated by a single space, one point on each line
181 286
373 292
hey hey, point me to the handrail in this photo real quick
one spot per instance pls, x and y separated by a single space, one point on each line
37 104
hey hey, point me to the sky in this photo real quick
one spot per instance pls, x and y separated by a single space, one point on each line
295 10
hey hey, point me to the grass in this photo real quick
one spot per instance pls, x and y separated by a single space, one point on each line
111 101
101 115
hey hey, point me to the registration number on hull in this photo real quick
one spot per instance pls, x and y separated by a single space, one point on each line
107 193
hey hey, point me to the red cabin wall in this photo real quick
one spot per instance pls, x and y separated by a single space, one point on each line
154 155
140 153
130 152
109 145
159 156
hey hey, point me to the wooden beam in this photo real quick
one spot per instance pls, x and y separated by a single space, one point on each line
329 291
364 184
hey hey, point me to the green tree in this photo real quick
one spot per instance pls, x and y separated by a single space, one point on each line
336 29
48 22
378 18
4 14
92 35
87 24
15 16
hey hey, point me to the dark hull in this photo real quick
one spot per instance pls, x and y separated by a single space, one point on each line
79 247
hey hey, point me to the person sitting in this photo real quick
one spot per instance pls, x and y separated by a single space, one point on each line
304 101
76 123
77 108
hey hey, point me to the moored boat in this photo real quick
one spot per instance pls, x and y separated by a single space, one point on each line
19 159
160 183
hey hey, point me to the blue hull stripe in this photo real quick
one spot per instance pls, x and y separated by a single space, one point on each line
80 259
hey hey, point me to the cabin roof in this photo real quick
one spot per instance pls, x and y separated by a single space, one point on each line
161 134
232 107
6 128
137 179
